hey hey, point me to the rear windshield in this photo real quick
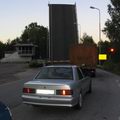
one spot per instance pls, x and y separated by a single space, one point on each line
55 73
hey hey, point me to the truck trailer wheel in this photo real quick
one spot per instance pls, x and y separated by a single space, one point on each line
93 74
90 87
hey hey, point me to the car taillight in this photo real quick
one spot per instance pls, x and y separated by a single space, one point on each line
64 92
28 90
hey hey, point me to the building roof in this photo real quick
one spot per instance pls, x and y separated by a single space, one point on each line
28 44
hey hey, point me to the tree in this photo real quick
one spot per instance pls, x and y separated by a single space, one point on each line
112 29
104 46
37 35
10 45
87 39
2 50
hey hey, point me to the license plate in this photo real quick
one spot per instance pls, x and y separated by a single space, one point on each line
46 92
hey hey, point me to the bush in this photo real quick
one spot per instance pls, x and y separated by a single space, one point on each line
109 65
113 67
117 68
34 64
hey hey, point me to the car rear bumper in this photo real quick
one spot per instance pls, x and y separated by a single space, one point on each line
49 101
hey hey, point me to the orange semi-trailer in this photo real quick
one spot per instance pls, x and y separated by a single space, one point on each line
84 55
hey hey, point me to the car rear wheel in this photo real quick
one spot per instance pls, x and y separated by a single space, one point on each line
80 102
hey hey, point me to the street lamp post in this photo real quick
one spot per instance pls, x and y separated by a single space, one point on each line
99 27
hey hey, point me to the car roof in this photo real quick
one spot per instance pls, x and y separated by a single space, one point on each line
61 66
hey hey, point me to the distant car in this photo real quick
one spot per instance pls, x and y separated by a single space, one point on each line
57 85
5 113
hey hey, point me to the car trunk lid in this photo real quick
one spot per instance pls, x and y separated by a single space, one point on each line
48 87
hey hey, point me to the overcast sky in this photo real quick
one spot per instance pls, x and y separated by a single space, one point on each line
16 14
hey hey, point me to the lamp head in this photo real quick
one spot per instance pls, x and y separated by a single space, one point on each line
92 7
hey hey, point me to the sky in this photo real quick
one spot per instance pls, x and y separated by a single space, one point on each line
16 14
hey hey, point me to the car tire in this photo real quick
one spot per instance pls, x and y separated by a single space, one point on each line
80 102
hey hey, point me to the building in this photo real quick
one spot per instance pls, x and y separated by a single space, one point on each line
23 53
63 30
25 50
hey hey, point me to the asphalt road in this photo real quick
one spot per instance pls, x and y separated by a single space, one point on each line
8 71
12 78
102 104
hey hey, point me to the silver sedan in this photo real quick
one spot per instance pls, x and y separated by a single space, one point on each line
57 85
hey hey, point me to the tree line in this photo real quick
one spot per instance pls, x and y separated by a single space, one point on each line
33 33
112 29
